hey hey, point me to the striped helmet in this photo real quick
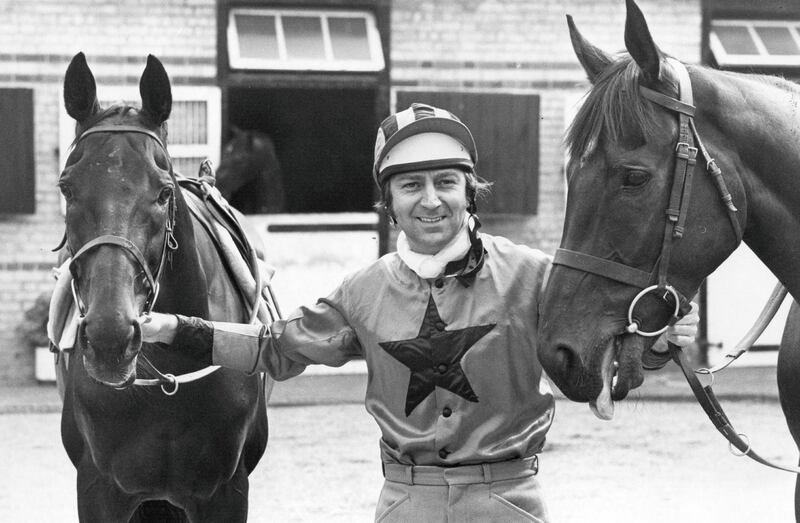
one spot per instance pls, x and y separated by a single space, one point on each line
422 137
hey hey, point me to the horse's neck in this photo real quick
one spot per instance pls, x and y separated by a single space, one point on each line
183 287
763 130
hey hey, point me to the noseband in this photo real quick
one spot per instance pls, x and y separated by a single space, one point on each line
686 150
169 244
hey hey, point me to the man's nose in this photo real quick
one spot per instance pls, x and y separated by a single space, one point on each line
430 198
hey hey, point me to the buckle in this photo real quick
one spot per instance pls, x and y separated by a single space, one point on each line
684 150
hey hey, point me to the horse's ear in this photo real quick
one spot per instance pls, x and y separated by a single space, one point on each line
155 91
640 44
80 90
593 59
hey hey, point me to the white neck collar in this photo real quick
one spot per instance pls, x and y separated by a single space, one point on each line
432 265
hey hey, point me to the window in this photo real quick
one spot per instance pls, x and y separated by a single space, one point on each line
757 43
193 126
17 173
296 39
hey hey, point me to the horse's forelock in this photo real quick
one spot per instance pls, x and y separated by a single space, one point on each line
613 111
120 111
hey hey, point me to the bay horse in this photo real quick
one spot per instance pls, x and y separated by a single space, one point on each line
142 455
249 174
643 227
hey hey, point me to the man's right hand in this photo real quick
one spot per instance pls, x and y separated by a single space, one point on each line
158 327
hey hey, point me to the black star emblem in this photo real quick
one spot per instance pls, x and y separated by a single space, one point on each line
434 357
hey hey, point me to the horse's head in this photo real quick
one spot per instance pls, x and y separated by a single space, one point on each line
249 174
621 176
239 162
120 204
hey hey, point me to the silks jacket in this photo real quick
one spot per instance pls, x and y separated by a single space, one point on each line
453 374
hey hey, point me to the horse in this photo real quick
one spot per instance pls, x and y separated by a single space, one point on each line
249 175
643 227
142 455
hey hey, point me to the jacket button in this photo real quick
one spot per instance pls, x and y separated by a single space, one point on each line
439 283
440 325
446 412
442 368
443 454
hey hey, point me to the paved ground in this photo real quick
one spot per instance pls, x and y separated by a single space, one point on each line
659 461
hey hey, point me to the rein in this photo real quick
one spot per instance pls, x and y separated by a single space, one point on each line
686 151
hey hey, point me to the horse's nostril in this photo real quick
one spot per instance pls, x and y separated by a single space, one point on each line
565 360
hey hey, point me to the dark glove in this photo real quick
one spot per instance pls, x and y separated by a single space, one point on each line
195 337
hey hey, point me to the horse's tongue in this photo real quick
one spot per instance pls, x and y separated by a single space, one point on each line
603 405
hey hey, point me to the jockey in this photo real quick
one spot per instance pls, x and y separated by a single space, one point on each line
447 325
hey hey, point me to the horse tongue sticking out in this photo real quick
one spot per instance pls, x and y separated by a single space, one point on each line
603 405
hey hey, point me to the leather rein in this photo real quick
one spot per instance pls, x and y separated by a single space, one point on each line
656 281
169 245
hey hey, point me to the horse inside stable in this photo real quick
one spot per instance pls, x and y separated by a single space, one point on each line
250 176
140 454
644 225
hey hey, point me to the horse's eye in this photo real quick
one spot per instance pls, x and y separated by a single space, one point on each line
635 178
165 195
66 191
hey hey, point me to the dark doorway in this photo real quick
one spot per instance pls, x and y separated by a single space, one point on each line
324 140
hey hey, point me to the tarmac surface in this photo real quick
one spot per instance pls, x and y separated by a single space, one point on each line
659 461
323 387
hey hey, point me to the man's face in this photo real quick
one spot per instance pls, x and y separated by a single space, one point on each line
430 206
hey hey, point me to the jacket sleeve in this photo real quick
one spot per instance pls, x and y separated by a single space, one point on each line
316 334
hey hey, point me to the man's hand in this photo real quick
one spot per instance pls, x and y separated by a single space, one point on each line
158 327
684 331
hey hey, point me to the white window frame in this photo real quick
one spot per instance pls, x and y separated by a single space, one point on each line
763 57
208 94
374 64
211 95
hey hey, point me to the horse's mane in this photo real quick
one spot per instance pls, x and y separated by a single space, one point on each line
614 110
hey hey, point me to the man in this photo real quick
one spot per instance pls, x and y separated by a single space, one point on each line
447 326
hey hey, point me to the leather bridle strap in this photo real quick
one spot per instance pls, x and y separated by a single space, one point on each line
130 248
170 243
603 267
121 129
689 144
710 404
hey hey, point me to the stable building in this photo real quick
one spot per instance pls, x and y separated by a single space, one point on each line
318 77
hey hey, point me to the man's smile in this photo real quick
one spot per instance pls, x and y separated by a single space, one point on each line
430 219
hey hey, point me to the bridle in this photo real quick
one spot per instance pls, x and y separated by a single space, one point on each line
169 245
656 281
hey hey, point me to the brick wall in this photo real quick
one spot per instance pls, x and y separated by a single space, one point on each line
37 40
523 46
484 45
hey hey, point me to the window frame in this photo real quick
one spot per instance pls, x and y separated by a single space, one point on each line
329 63
763 58
211 95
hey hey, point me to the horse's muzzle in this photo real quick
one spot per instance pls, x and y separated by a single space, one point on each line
109 352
